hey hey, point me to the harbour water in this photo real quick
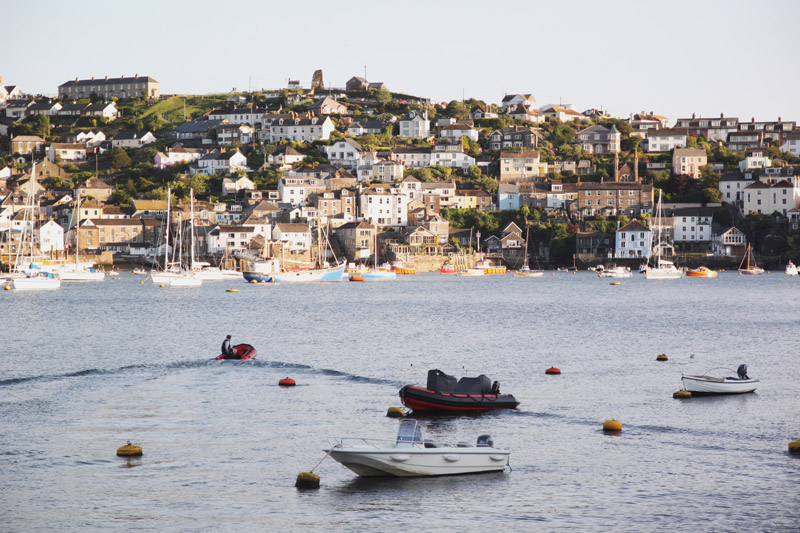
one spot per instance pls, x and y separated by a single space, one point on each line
88 367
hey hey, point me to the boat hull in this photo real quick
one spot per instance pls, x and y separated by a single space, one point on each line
419 399
708 385
529 273
186 281
658 273
319 274
752 271
36 284
701 272
242 352
418 461
258 277
82 275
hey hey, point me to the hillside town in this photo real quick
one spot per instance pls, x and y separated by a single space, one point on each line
274 172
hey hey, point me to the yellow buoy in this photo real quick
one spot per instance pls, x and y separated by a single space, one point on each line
141 282
129 450
794 446
306 481
161 285
662 357
231 290
395 412
253 281
612 426
7 288
615 283
682 395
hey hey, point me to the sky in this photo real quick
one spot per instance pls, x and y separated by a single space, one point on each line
740 58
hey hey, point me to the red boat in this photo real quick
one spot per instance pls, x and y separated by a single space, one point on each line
447 269
241 352
445 393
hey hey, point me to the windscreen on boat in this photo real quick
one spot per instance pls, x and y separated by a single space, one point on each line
480 385
438 381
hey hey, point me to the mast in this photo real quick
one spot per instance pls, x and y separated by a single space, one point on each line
525 258
376 246
191 226
77 227
166 241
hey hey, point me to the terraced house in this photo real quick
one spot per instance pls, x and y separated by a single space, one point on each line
121 87
610 199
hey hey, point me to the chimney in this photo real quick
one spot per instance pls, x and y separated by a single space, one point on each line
136 75
76 79
779 118
651 113
721 115
106 76
693 116
92 78
616 166
122 77
636 165
752 120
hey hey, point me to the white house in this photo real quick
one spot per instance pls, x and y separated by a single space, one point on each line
518 99
66 152
301 129
791 143
666 139
90 139
220 163
234 185
413 157
692 225
385 206
133 139
727 241
451 155
295 190
415 125
633 240
229 133
295 237
411 187
51 237
598 139
755 158
365 127
284 157
345 153
445 190
107 110
564 113
233 239
458 130
770 197
174 156
521 165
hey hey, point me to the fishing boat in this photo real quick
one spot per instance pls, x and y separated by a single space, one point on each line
661 269
241 352
448 269
490 268
707 384
261 270
791 269
472 272
445 393
616 272
526 271
409 455
701 272
402 267
745 268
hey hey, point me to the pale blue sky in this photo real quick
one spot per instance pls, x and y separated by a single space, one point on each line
674 58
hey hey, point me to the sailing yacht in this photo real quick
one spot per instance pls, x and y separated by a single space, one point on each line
79 272
662 268
171 268
34 278
188 276
748 269
377 273
526 271
322 272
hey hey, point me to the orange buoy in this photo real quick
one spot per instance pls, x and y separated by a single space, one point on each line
130 450
553 371
357 277
612 426
287 382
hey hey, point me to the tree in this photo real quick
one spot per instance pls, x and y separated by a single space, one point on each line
119 158
42 126
383 96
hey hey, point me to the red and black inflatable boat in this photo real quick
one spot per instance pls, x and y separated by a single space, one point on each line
445 393
241 352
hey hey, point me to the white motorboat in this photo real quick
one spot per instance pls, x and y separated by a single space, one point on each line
616 272
707 384
138 271
472 272
791 269
409 455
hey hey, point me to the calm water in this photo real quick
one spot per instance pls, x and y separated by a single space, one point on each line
88 367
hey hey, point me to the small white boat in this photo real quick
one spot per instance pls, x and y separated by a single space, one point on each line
472 272
83 274
791 269
186 279
409 455
616 272
706 384
39 281
139 271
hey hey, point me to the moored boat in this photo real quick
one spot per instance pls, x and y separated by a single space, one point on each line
472 272
791 269
701 272
448 269
409 455
489 268
38 281
745 268
616 272
445 393
706 384
241 352
324 273
401 267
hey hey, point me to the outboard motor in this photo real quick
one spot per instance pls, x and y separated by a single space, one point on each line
485 441
742 371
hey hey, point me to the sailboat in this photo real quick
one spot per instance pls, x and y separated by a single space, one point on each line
34 278
526 271
662 268
322 272
79 272
171 269
188 276
748 269
377 273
